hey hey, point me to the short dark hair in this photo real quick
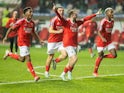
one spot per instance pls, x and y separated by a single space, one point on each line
26 9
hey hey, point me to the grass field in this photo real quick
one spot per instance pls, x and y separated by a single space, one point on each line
14 77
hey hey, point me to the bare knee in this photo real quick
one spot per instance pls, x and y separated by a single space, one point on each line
27 58
113 52
101 54
74 59
114 55
22 59
64 56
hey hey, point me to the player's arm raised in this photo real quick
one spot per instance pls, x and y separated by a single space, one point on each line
61 17
93 15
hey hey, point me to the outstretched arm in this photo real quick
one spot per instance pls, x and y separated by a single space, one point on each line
6 36
61 17
93 15
89 17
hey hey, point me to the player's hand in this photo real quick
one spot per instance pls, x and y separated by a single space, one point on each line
104 40
42 42
54 7
99 11
4 40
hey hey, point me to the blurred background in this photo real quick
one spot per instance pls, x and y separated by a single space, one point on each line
43 14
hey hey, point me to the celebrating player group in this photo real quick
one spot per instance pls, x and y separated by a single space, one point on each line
63 34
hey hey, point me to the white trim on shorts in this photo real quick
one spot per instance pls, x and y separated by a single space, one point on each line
24 51
108 47
52 47
71 51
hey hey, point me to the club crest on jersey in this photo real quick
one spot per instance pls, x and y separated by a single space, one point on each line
73 27
27 30
28 25
109 30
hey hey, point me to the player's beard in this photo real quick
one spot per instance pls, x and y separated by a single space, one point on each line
111 17
30 17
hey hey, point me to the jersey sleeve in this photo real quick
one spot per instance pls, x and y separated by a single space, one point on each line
17 24
85 19
85 24
89 17
61 18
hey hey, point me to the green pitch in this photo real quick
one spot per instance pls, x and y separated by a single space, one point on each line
14 77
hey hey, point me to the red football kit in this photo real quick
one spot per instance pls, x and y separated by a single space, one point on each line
71 29
10 23
57 25
105 29
90 28
24 29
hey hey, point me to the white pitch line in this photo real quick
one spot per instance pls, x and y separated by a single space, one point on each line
43 74
28 81
81 66
85 77
78 78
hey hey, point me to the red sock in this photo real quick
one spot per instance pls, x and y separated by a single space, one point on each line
90 50
98 61
30 67
14 56
70 69
47 68
57 60
65 69
109 56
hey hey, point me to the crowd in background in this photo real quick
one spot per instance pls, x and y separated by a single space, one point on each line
83 6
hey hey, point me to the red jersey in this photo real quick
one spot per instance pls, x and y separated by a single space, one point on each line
105 29
81 38
71 29
56 25
24 28
10 23
90 28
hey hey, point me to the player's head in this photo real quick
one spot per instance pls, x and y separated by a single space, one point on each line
28 12
60 10
109 12
15 14
72 14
